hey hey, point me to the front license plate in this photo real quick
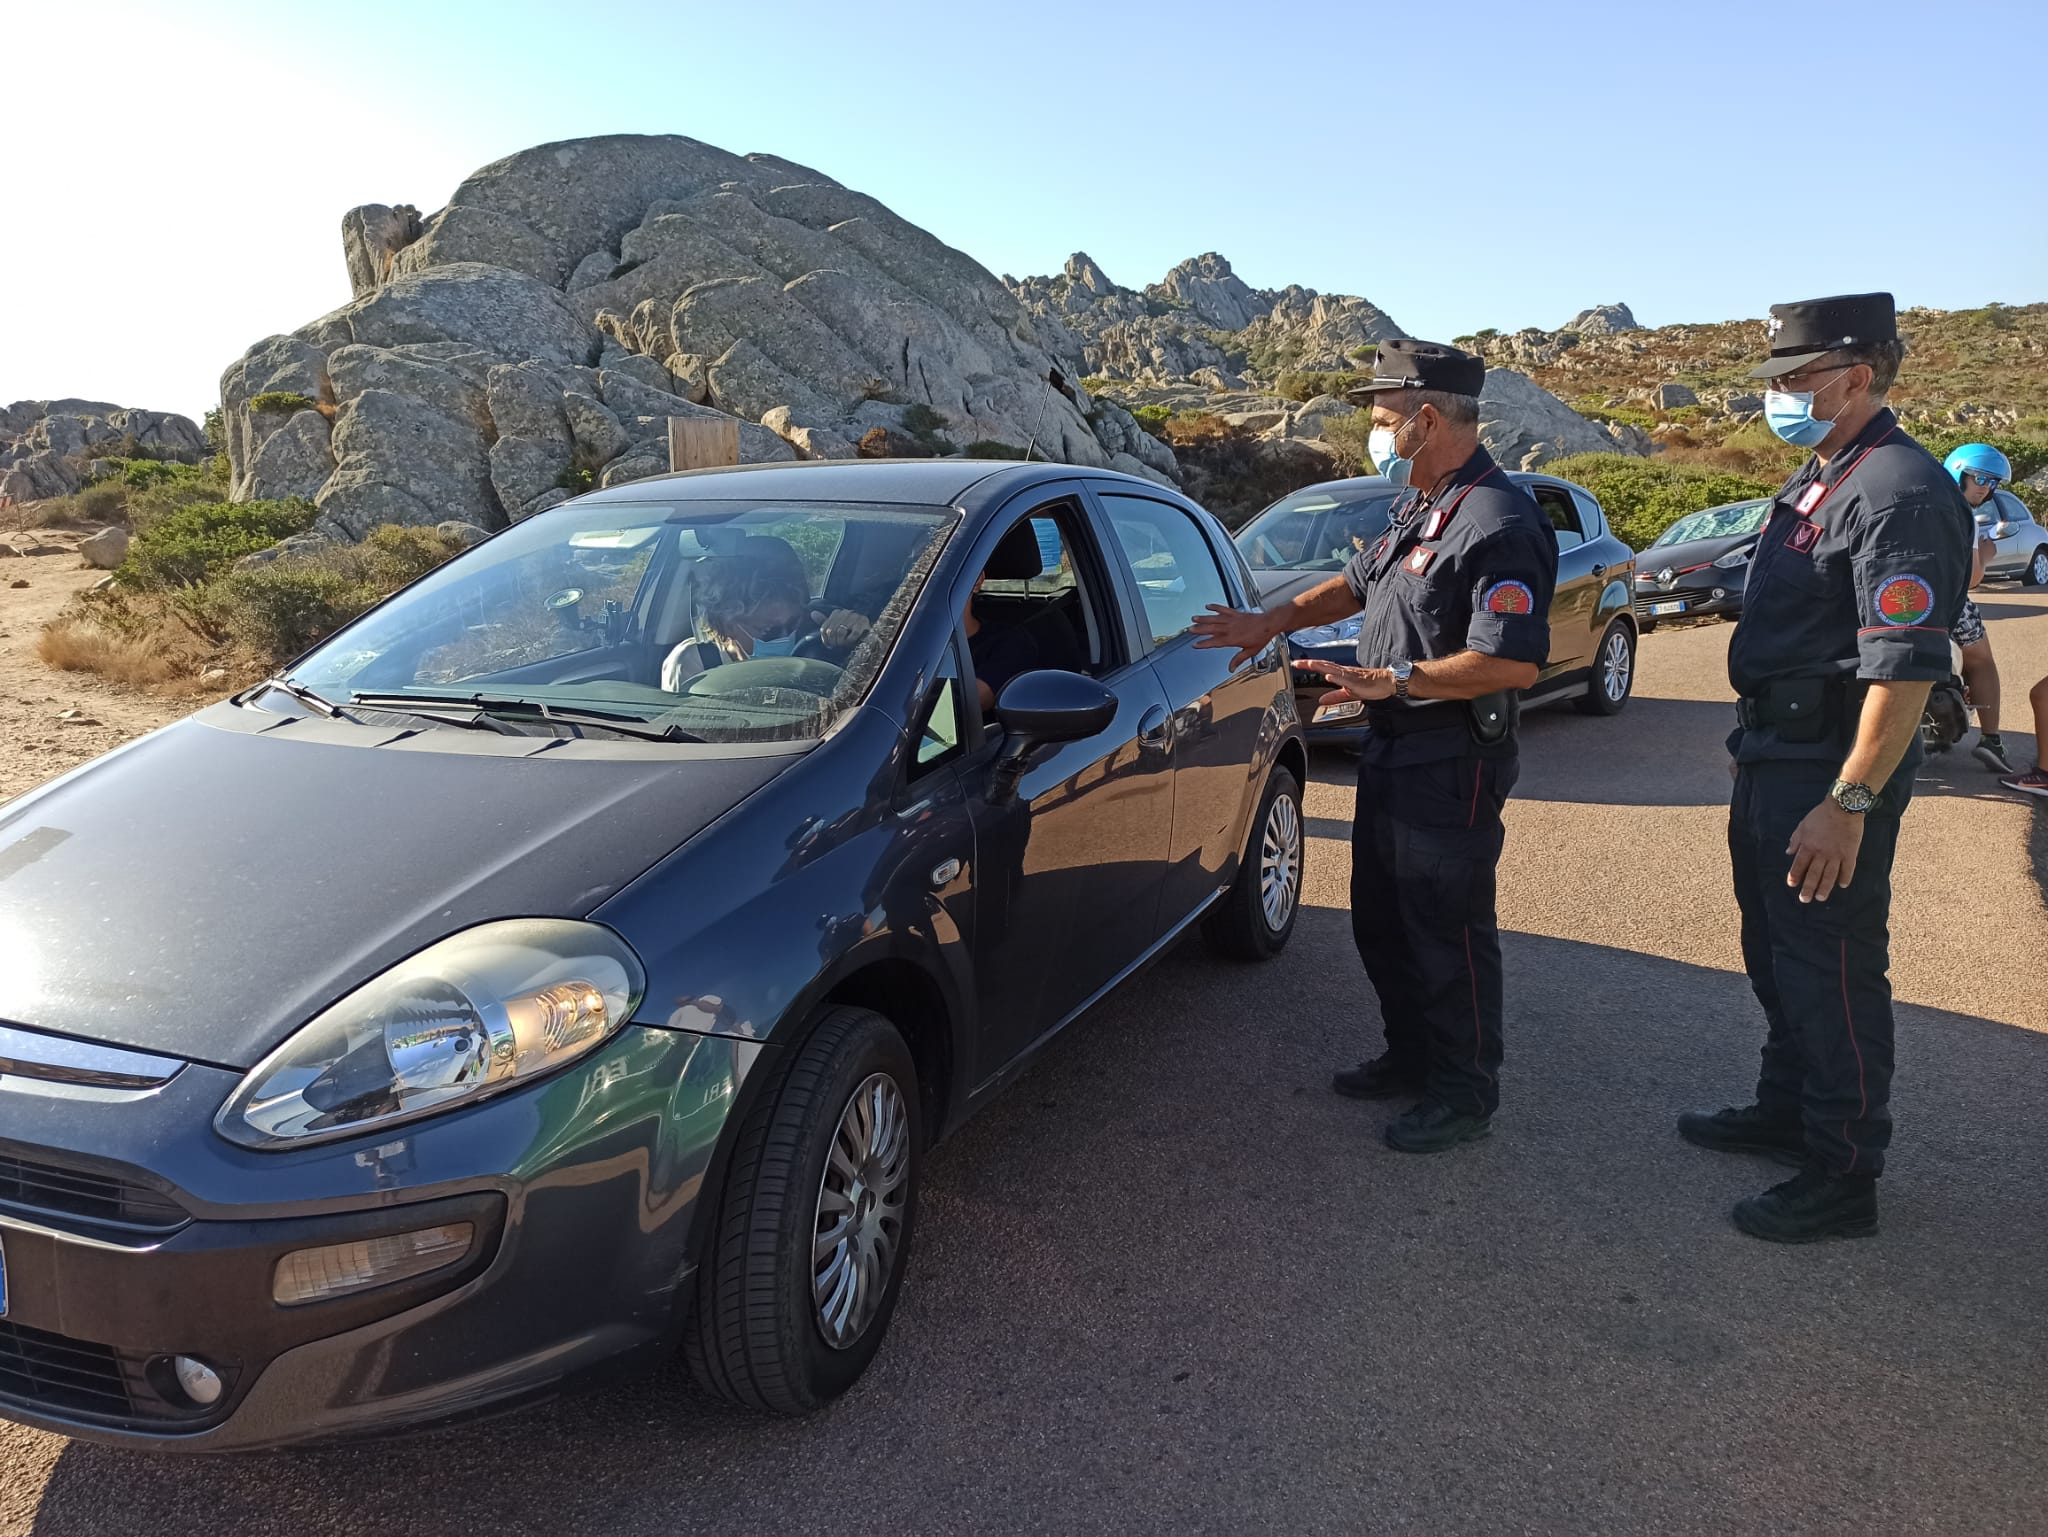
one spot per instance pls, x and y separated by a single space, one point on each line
1667 608
1329 712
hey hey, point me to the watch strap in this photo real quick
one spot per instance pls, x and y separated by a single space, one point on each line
1853 798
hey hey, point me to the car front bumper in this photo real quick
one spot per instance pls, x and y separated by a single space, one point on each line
132 1233
1696 592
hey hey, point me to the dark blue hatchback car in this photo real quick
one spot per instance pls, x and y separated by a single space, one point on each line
578 954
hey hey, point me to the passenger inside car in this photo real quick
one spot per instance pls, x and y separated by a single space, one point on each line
1005 639
751 602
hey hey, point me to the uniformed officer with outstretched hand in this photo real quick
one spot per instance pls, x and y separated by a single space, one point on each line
1456 599
1856 580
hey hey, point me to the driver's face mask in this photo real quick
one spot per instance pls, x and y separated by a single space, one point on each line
774 637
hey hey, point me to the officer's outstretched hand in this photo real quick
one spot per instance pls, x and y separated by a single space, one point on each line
1824 848
1367 683
1233 628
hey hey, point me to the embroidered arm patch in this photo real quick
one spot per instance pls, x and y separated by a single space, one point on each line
1906 599
1508 598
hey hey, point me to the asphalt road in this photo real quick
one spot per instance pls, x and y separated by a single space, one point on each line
1172 1282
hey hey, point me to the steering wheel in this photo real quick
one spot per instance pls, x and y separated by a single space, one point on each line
805 674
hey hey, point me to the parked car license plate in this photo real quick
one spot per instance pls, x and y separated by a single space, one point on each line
1329 712
1667 608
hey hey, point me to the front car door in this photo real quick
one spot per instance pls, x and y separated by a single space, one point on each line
1068 873
1578 587
1172 567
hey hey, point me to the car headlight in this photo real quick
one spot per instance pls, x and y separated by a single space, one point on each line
1736 558
477 1012
1343 633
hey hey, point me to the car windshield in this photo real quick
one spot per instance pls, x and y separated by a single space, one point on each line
1728 522
1315 530
719 621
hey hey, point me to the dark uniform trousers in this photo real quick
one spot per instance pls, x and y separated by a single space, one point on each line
1819 968
1425 844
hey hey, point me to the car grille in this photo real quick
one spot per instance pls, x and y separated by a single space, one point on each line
78 1379
46 1190
1645 596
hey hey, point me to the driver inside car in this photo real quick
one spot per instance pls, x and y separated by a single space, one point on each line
753 603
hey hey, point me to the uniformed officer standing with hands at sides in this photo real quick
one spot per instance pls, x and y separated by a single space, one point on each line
1856 580
1456 597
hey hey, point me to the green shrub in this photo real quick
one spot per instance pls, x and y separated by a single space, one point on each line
1643 497
1153 418
282 401
576 478
216 428
103 504
1309 384
287 605
927 426
190 544
991 448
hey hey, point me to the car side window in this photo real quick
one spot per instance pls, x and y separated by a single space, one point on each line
944 725
1557 505
1591 518
1165 551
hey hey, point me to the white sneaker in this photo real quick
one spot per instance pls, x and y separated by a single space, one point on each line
1990 757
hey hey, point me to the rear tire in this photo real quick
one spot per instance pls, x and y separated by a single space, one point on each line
2037 569
1614 673
1255 918
801 1170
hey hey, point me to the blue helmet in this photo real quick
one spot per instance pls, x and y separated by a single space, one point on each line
1979 458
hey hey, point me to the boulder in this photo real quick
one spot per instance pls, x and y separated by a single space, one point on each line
464 534
309 543
371 236
1670 396
1523 425
507 314
294 460
523 468
1217 296
55 447
1743 403
400 460
599 436
1602 320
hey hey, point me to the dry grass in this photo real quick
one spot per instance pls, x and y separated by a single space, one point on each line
167 658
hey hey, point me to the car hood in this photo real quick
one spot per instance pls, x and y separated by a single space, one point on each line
1693 552
205 890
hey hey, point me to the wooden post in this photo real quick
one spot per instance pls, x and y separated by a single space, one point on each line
702 442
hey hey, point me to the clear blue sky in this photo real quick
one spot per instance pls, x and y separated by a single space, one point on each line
1462 165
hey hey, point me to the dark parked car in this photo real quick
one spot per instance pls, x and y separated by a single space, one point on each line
579 953
1307 537
1699 566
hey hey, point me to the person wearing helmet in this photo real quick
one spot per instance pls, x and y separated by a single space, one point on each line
1979 469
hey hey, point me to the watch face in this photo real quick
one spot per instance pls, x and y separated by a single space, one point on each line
1854 797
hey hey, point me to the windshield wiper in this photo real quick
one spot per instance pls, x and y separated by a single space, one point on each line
617 721
318 703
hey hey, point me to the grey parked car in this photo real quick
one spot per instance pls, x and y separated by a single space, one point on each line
2022 544
1309 536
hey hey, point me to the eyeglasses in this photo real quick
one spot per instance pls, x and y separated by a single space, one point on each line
1988 482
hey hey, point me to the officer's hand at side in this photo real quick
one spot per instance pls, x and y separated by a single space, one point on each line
1823 849
1367 683
1234 629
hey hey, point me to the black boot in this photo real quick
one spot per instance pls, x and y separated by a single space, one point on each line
1434 1128
1381 1078
1813 1203
1752 1129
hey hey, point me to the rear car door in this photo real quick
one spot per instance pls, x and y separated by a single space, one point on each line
1067 874
1578 588
1173 568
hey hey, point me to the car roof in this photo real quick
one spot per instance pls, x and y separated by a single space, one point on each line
1361 484
919 482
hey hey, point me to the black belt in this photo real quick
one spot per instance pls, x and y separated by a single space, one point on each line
1406 720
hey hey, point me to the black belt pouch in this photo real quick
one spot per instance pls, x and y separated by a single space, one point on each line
1799 709
1493 716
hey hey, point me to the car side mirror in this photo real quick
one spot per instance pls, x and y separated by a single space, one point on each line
1041 709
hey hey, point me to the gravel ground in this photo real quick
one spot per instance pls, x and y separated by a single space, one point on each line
1171 1282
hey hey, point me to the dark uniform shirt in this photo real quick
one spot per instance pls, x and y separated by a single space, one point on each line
1469 567
1859 573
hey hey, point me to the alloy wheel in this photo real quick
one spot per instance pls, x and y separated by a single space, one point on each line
2037 573
1617 663
1280 862
860 1210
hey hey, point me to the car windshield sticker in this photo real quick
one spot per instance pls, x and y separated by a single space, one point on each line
1805 537
1419 559
1509 598
1905 600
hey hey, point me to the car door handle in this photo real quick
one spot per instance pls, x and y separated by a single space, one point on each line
1152 728
1599 570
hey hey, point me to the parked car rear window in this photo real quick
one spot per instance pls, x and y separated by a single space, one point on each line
726 621
1717 523
1314 530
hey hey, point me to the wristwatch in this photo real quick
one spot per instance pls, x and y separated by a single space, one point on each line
1402 671
1852 798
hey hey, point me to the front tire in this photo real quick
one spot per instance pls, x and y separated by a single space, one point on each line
2037 568
1614 673
1255 918
806 1255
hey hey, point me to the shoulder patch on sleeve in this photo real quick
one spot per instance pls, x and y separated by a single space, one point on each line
1905 599
1516 598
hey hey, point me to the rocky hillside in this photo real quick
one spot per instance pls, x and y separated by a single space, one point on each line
534 336
50 447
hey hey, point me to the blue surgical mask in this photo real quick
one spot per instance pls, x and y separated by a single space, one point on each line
1379 447
1790 415
786 646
